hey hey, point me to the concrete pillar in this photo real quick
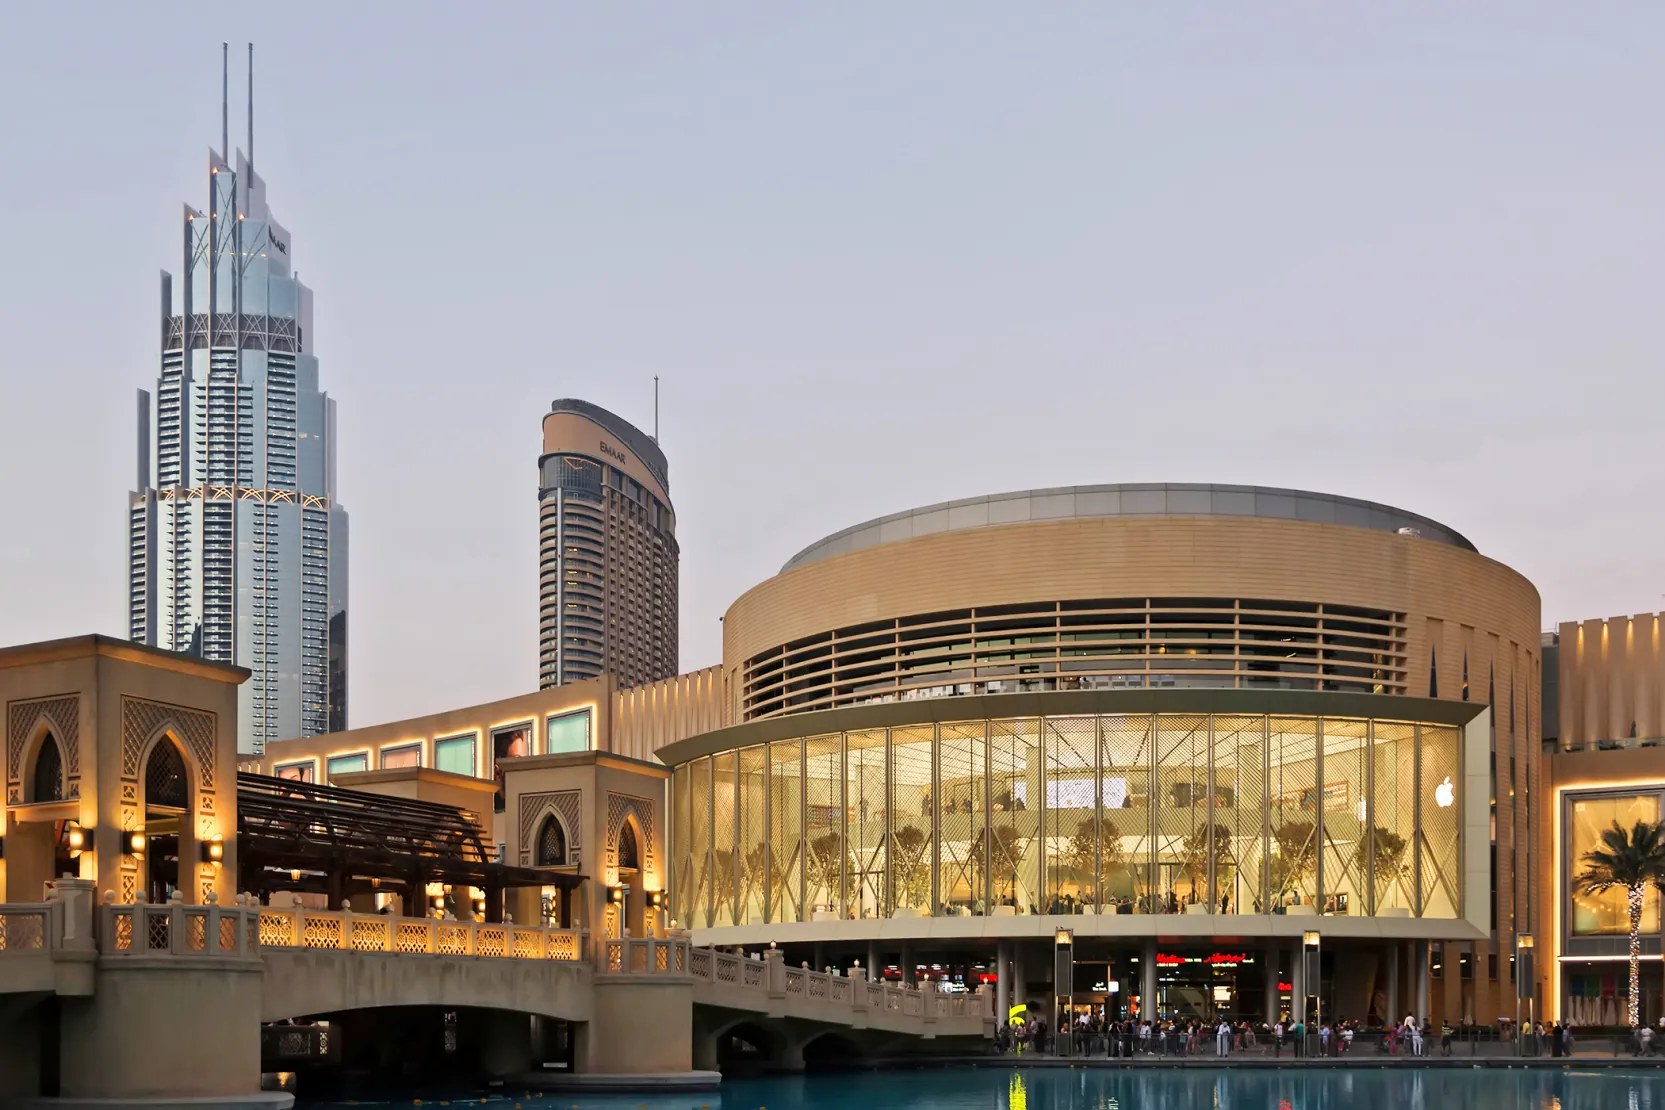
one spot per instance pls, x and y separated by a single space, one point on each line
611 1042
1419 978
873 968
819 962
1298 977
907 962
1147 981
1020 985
1392 1002
1270 959
1003 981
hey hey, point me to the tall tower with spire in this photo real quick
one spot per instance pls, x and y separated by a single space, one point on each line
237 541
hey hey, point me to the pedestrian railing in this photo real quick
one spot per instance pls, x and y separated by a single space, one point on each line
27 927
298 927
771 980
646 956
176 929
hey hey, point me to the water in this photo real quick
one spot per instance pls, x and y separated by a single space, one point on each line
1142 1089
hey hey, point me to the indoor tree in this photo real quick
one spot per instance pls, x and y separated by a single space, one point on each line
1632 860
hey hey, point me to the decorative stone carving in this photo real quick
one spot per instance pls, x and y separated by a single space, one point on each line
566 805
62 714
620 806
141 720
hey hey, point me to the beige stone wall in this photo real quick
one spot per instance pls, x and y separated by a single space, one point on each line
647 717
108 702
1612 679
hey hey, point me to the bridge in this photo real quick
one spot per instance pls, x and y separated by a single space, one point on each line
244 966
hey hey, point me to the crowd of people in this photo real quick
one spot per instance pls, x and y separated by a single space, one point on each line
1092 1034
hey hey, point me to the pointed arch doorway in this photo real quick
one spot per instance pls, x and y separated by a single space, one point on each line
167 799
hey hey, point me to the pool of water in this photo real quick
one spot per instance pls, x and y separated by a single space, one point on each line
1144 1089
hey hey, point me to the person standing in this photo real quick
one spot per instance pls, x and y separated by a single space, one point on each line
1222 1039
1277 1038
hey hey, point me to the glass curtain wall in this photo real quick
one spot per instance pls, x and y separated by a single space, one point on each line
1136 813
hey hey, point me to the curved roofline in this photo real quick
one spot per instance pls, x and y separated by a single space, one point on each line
633 437
1147 499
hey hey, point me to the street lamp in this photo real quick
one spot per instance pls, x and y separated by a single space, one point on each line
1309 948
1063 984
1524 974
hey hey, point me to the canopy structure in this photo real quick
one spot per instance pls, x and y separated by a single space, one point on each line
310 838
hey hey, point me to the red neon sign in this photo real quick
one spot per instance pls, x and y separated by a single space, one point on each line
1215 959
1286 986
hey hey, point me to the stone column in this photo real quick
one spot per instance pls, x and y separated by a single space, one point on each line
1419 975
1298 977
819 962
907 963
1392 1002
1147 981
1271 961
1020 985
1003 981
873 968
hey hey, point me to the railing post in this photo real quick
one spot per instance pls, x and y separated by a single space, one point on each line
928 996
176 924
346 924
774 972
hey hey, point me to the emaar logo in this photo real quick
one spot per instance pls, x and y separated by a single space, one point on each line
613 452
278 243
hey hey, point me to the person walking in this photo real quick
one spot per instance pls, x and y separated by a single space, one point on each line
1445 1038
1277 1039
1222 1039
1324 1039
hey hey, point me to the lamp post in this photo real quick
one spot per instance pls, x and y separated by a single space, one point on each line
1312 986
1063 985
1524 974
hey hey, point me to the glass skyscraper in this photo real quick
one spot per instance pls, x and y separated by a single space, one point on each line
238 545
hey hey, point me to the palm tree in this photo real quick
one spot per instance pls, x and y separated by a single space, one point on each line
1633 860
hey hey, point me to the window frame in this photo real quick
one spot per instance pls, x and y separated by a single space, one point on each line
406 746
587 712
473 738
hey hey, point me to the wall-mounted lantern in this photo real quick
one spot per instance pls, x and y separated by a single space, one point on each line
213 851
75 838
615 895
133 844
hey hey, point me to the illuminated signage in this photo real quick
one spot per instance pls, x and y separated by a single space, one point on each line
613 452
1213 959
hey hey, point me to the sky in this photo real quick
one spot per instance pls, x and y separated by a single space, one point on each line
879 255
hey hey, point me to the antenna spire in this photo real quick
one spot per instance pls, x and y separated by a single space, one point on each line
225 100
251 112
656 408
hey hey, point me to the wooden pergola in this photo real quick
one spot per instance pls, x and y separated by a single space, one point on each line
315 839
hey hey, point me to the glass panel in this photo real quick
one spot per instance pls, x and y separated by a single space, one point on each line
754 847
1441 815
567 732
786 799
1239 809
455 755
1292 751
1071 799
703 909
347 764
1124 825
866 814
1346 848
1181 811
912 808
405 755
1393 821
725 826
1014 779
824 831
963 806
1608 913
682 871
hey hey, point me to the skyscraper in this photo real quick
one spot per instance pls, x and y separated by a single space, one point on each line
608 558
238 545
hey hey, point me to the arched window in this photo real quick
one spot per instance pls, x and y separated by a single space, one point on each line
552 844
48 779
629 856
165 777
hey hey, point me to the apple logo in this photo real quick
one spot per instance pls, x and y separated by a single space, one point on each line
1445 794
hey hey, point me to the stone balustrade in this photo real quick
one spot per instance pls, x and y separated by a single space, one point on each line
298 927
177 929
769 979
29 927
646 956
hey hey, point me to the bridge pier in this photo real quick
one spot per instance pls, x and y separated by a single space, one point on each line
640 1024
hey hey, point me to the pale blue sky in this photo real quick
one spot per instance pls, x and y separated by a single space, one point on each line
881 254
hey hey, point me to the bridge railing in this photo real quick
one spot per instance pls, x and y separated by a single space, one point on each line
770 978
27 927
646 956
175 929
298 927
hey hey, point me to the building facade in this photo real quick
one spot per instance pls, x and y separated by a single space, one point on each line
607 552
1189 723
1605 765
237 541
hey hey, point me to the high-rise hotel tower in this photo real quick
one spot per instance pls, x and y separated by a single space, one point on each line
607 567
238 546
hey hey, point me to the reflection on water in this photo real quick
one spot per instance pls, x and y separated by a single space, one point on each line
1144 1089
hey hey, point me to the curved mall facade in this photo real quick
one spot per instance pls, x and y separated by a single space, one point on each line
1213 718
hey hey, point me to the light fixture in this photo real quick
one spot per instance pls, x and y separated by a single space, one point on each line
1524 940
655 898
76 837
615 894
1310 939
295 875
1064 938
213 851
135 844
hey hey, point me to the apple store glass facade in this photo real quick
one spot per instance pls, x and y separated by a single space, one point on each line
1140 814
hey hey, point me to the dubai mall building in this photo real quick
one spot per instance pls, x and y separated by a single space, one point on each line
1255 749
